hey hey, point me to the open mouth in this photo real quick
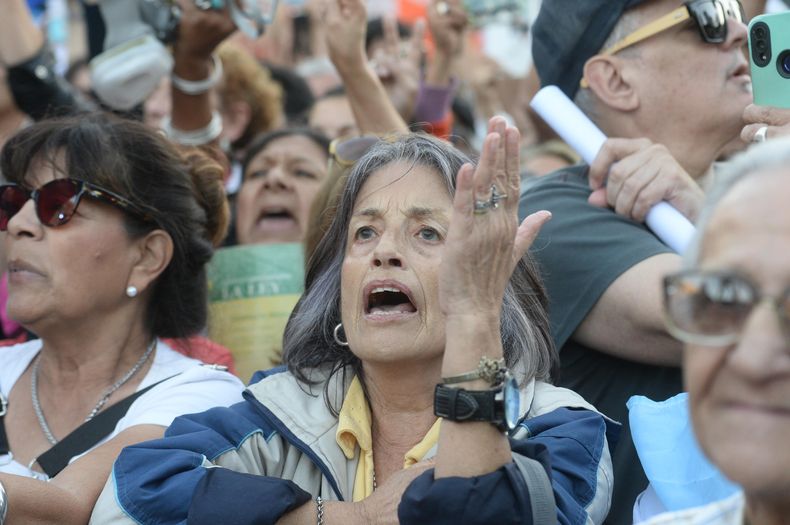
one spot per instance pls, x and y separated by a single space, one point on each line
276 214
388 300
275 219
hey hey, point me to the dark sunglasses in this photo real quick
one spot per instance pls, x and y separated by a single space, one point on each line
57 201
710 17
712 308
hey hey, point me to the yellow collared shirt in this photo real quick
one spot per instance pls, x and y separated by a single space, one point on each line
354 428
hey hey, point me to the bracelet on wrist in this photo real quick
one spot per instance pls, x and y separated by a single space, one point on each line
319 510
492 371
3 504
197 137
198 87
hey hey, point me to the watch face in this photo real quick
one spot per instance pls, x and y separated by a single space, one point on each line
512 401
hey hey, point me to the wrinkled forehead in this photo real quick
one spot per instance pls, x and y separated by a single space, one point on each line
403 184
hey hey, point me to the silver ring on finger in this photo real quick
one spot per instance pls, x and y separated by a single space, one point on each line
482 207
761 134
496 197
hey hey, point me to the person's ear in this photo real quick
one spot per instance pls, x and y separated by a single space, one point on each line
152 255
609 77
235 119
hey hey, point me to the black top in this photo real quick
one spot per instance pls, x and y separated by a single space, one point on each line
581 251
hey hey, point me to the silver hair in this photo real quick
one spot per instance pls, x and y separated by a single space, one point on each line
628 22
308 343
771 155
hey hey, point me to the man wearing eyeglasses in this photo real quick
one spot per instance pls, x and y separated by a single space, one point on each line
668 82
730 305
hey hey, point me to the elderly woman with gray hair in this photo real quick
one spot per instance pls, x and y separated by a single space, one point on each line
417 383
731 308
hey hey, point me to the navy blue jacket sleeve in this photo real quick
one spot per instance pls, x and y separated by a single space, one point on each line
266 499
168 480
568 443
500 497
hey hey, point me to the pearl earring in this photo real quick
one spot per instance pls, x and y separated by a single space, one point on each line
131 291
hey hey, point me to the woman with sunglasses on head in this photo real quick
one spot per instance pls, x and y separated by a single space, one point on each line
417 388
108 229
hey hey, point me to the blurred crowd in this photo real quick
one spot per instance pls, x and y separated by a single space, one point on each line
491 329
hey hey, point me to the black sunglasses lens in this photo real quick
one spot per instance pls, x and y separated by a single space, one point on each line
57 201
711 17
12 198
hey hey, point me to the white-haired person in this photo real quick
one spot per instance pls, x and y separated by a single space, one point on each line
731 308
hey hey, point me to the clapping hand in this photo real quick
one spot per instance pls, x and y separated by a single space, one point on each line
447 22
200 31
397 65
346 24
485 241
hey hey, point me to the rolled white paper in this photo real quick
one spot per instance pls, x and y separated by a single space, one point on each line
670 226
581 134
569 122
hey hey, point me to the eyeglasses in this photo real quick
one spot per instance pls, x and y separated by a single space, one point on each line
711 308
709 15
346 152
57 201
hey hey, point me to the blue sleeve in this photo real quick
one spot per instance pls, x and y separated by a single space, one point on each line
568 443
157 481
266 499
500 497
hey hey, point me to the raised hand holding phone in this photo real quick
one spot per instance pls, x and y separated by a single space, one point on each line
769 53
580 133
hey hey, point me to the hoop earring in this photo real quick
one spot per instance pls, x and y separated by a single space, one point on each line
131 291
337 338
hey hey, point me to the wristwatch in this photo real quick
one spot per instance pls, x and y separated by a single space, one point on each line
499 405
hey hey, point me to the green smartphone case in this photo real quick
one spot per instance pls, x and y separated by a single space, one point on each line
769 56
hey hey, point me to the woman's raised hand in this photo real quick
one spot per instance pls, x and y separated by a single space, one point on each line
485 241
346 24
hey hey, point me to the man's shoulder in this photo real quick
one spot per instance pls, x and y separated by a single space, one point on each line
565 194
583 248
567 181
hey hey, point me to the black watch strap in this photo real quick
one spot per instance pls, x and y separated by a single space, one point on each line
457 404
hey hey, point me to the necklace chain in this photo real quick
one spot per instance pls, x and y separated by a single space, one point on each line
103 401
